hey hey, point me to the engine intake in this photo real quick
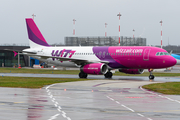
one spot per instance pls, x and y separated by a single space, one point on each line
95 68
132 71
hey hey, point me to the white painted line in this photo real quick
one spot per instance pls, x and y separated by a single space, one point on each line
111 99
56 105
140 115
128 108
117 102
54 117
59 110
68 118
159 95
149 118
177 101
63 112
51 96
64 115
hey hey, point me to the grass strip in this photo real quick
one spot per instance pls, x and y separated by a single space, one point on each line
170 88
29 82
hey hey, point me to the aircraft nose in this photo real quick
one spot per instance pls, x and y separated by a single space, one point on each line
172 61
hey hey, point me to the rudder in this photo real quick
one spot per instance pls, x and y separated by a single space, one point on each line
34 34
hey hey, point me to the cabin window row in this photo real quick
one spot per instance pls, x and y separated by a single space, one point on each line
107 53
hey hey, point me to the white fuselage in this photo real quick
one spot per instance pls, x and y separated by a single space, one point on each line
83 53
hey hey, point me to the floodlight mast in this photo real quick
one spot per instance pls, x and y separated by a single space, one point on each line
106 29
119 27
33 16
161 32
74 26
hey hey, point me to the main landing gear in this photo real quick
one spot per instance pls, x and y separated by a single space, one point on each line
151 76
83 75
108 74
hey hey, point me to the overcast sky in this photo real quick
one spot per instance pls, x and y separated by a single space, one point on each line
55 19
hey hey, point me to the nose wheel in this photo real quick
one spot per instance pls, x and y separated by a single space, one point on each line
151 76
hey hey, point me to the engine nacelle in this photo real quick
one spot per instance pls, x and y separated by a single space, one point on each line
132 71
95 68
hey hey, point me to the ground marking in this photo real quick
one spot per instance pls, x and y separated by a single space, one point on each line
56 105
127 107
159 95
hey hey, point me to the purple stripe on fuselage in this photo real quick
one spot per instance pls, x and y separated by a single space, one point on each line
101 53
34 38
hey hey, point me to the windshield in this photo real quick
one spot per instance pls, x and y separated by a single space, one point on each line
162 53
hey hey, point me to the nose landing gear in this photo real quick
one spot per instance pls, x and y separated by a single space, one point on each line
151 76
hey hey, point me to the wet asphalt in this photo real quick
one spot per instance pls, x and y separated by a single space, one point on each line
120 98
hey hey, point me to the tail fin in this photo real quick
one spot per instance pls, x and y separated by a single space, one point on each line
35 37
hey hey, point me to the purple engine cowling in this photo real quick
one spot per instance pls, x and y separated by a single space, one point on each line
95 68
132 71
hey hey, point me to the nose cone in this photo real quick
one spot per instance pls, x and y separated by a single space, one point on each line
171 61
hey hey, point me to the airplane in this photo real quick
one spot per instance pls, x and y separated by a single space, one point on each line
97 60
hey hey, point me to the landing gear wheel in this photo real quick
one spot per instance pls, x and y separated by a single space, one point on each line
151 77
82 75
108 75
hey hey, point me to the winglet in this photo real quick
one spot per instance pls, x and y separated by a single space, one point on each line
34 34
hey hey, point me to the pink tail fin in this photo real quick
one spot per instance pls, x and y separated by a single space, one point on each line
34 33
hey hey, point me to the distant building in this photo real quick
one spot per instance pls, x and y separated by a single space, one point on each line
104 41
7 58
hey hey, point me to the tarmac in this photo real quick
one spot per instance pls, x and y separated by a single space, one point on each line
119 98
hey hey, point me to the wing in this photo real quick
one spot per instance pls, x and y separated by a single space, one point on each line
75 60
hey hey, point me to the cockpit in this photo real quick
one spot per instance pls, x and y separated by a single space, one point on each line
162 53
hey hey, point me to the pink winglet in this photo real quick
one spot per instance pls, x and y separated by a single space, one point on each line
15 53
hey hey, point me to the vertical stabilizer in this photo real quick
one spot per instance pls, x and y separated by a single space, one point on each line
36 39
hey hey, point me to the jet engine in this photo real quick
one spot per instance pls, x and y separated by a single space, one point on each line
132 71
95 68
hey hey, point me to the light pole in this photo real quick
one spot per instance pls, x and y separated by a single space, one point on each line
133 36
74 26
105 29
133 33
33 16
161 32
119 27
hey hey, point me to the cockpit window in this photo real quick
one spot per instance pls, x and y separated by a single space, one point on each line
162 53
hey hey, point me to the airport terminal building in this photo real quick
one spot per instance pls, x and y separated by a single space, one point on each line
7 58
104 41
